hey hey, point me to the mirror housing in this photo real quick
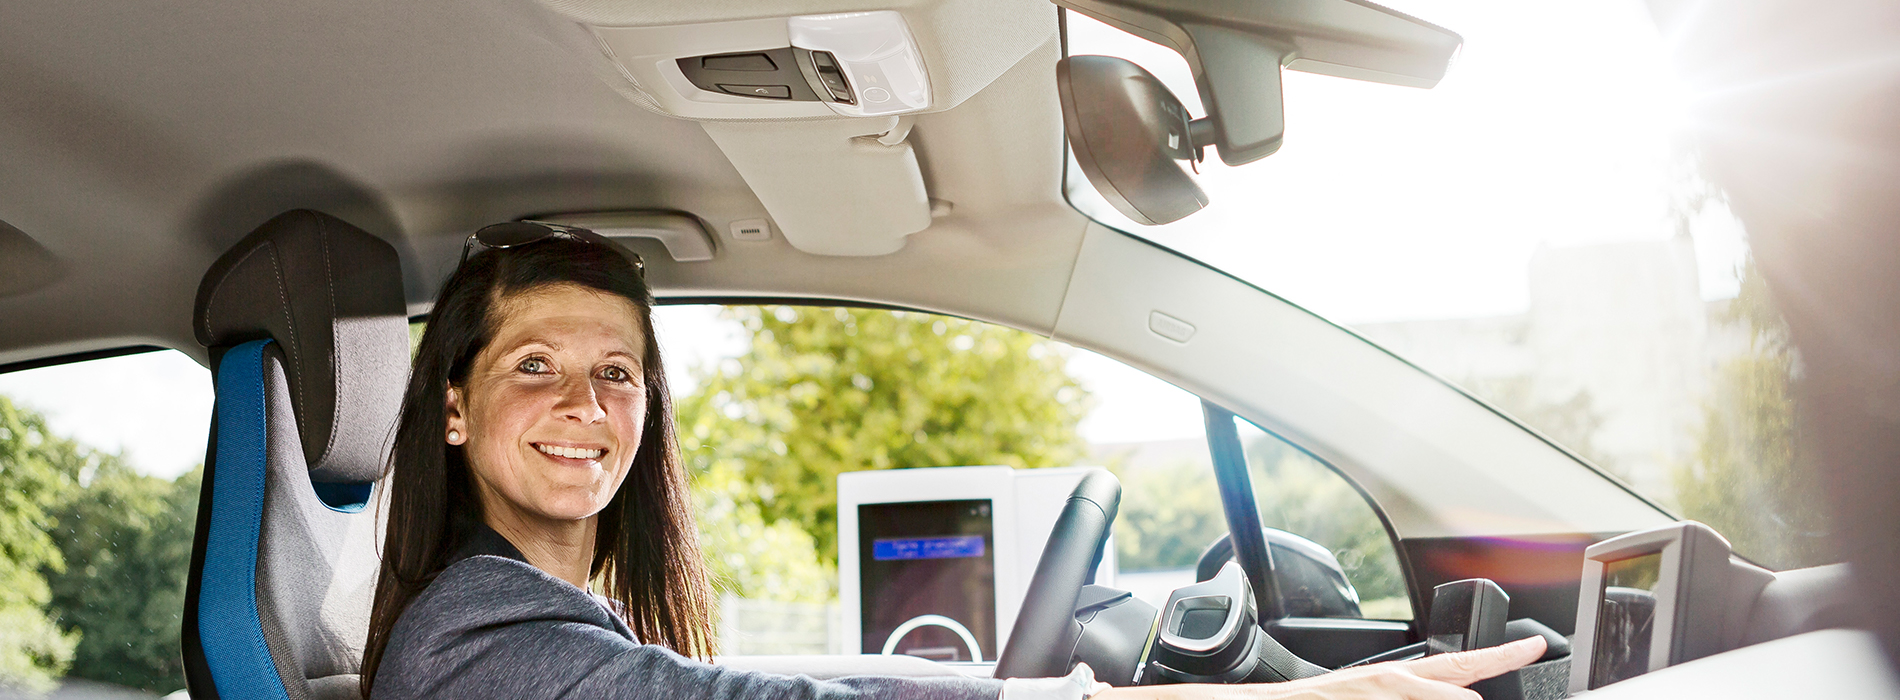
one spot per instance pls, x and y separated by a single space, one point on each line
1228 42
1127 130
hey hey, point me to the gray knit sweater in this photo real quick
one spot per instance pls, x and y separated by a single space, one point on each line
493 626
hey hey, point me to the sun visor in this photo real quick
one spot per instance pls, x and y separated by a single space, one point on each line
831 186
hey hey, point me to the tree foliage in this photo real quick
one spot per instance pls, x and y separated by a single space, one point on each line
95 557
1748 479
36 471
750 557
1298 494
821 391
126 540
1171 514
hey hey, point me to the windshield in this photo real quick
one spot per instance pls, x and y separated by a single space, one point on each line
1534 229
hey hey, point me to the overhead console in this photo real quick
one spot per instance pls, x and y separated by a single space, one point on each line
833 58
813 106
850 64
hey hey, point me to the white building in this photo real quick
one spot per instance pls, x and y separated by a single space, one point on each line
1623 324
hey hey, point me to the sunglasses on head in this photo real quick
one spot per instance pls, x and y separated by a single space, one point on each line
514 234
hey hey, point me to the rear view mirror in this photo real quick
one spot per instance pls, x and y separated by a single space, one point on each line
1236 49
1127 131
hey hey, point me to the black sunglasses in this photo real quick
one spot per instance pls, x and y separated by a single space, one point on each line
514 234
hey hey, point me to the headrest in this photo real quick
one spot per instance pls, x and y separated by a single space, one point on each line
331 296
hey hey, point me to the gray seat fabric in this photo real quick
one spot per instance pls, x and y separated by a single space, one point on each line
329 297
316 566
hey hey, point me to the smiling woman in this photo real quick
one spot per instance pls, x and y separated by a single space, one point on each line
536 349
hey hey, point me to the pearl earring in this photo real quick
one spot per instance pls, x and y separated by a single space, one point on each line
455 436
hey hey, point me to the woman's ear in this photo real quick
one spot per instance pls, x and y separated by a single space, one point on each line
458 424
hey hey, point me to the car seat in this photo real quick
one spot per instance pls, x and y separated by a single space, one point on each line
305 322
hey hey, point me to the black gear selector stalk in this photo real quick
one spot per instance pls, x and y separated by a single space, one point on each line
1470 614
1210 633
1466 615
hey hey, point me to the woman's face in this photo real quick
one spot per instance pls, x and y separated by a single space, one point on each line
553 409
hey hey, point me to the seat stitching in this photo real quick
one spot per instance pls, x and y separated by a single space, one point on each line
290 329
336 350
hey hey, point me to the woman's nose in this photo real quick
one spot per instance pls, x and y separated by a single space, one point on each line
579 401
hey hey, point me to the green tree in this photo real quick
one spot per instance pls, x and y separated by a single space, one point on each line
1747 478
126 541
36 470
821 391
1168 515
750 557
1298 494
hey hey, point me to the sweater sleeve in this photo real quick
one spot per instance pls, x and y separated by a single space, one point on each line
491 627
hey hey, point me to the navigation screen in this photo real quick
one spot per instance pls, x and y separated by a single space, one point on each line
928 575
1626 619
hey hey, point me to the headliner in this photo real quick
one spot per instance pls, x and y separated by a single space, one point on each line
142 140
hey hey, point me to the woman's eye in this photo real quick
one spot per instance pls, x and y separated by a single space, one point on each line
616 374
533 365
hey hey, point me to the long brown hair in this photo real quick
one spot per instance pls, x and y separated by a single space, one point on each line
646 554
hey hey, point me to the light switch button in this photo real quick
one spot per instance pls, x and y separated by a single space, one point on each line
751 230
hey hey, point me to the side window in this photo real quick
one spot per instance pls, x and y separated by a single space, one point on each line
1301 495
774 402
100 463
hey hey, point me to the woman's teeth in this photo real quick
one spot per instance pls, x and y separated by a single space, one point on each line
570 452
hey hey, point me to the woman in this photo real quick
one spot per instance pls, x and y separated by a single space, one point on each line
536 454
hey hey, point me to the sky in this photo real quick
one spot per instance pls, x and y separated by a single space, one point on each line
154 408
1558 125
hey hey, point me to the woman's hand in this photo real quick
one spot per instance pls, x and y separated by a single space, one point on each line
1441 677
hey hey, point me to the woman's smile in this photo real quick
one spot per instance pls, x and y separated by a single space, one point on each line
590 455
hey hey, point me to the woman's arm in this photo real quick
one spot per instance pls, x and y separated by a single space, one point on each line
1441 677
493 627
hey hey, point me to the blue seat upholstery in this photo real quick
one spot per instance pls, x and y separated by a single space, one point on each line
305 322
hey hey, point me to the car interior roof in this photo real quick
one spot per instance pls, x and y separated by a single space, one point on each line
144 140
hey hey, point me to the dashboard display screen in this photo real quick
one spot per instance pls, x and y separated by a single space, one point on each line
1626 619
928 576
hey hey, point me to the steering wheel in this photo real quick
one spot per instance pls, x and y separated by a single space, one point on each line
1043 639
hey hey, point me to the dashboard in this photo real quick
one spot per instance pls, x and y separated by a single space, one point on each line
1667 612
1669 602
